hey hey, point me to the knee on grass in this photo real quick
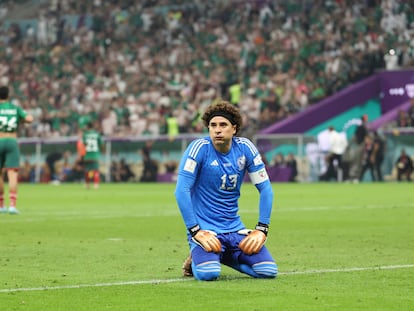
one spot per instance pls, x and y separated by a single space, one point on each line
262 270
207 271
265 269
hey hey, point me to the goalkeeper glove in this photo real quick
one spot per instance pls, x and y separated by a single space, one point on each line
206 239
255 240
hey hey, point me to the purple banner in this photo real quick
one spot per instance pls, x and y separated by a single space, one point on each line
397 87
329 107
394 88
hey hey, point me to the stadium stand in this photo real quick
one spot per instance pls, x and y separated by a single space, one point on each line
128 64
131 66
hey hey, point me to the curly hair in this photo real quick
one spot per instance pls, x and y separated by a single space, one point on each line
225 109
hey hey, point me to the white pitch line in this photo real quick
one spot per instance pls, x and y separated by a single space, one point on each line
378 268
30 289
166 281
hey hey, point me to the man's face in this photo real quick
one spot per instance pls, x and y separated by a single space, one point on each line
221 132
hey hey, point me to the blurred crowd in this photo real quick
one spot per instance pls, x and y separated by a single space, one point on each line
132 66
365 156
405 118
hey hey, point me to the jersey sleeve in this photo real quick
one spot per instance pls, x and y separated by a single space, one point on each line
254 163
21 112
259 177
187 173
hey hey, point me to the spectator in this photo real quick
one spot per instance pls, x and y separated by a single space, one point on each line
51 161
170 166
411 112
404 165
403 119
378 155
359 139
361 130
125 172
115 172
368 158
172 126
65 169
292 163
391 60
337 146
150 170
27 172
406 56
77 171
278 160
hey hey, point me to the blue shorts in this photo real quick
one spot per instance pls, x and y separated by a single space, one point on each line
230 255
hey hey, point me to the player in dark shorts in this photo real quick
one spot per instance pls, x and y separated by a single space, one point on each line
10 118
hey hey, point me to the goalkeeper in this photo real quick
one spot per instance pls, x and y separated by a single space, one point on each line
210 175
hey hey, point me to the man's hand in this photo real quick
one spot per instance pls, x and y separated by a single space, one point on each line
206 239
255 240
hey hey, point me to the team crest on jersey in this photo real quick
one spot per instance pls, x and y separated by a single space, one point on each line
241 163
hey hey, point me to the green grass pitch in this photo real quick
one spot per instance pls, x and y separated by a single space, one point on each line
338 247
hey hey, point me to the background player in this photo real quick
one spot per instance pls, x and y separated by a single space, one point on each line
92 140
10 118
210 175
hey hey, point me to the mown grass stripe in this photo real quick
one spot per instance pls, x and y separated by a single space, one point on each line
166 281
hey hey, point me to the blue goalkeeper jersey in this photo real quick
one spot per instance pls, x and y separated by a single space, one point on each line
208 184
